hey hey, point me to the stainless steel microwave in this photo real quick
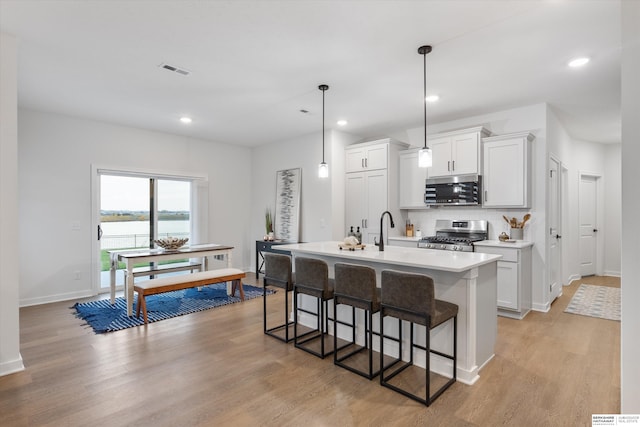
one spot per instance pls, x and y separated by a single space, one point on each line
459 190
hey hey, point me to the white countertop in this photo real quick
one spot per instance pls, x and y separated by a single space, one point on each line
412 257
515 244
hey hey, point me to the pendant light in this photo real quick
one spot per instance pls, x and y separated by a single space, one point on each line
425 155
323 170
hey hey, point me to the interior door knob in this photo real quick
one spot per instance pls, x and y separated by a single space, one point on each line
595 230
558 236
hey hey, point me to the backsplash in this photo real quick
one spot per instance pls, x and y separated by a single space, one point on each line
424 220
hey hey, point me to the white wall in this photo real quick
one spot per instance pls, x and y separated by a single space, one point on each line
321 199
630 344
10 359
55 155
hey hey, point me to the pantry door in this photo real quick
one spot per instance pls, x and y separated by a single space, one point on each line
555 233
588 194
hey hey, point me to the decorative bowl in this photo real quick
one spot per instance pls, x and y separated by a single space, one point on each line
171 243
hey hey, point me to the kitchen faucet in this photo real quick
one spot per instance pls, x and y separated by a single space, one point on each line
381 244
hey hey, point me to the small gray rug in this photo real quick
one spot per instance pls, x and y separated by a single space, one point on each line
596 301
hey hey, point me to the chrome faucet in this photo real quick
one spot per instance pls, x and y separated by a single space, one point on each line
381 244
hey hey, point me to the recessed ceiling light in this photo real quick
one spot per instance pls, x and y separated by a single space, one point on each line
432 98
186 120
578 62
342 122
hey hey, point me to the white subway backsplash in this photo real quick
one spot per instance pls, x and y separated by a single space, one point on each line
425 220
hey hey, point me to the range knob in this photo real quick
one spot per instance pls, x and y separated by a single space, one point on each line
443 246
456 248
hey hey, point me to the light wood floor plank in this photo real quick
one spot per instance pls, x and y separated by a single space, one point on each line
218 368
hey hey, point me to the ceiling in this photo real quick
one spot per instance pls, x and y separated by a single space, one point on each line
255 64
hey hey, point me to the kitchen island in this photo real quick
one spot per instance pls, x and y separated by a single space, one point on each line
467 279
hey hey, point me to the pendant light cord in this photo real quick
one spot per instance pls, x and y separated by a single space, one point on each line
423 50
424 98
323 90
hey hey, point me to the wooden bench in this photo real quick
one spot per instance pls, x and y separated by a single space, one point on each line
186 281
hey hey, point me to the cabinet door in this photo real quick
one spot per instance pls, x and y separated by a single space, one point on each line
441 149
376 157
354 160
504 173
376 203
508 285
355 201
411 181
464 154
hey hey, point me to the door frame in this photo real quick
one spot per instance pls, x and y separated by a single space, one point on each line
599 215
199 206
560 222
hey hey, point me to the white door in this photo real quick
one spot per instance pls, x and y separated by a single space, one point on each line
376 189
588 225
464 154
441 150
355 202
554 238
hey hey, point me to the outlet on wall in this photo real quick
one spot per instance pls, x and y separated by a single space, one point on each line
76 275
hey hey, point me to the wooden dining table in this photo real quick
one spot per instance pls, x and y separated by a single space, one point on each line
131 257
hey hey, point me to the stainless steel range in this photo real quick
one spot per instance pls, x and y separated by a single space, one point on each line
455 235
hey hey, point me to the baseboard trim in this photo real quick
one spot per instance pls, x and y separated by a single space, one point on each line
544 308
612 273
572 278
56 298
11 367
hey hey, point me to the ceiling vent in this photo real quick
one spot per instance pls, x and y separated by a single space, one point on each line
175 69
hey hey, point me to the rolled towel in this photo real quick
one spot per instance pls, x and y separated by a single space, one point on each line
351 240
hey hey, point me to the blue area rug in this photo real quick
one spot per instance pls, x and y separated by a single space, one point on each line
104 317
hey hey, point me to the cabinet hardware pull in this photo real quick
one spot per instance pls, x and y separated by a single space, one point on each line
449 165
362 163
366 162
453 163
485 196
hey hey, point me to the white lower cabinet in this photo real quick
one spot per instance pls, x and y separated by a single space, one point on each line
513 276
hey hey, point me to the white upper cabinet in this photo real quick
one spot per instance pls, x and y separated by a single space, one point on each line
412 180
371 182
457 152
367 157
506 170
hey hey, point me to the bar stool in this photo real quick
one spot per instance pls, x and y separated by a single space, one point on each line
312 278
277 272
355 285
411 297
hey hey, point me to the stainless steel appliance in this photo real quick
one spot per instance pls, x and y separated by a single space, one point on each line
456 235
453 190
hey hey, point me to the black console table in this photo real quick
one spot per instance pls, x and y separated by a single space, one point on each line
267 246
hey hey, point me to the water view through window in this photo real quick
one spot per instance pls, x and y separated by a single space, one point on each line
130 219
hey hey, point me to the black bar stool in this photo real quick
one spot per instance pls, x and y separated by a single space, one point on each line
277 272
356 287
411 297
312 278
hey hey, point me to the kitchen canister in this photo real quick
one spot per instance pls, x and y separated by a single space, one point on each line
516 234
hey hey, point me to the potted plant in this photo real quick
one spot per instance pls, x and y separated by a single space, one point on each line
268 222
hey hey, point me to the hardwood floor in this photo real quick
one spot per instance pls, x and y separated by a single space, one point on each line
218 368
